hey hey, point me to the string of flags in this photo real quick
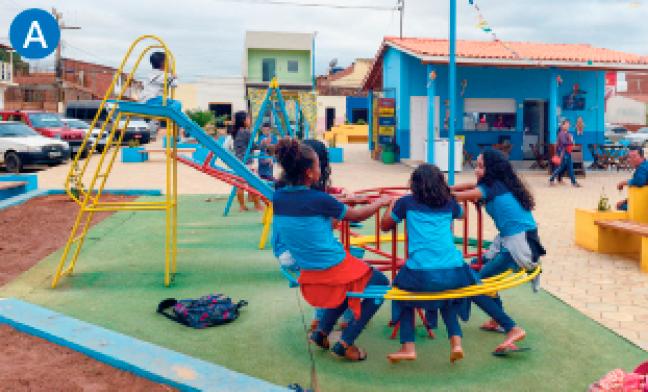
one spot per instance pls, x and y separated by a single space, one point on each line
485 27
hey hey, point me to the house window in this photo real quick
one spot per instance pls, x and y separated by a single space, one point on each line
293 66
269 69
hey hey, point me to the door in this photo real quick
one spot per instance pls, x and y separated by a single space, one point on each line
437 117
330 118
269 67
418 128
535 125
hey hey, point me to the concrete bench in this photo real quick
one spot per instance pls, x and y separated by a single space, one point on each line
12 184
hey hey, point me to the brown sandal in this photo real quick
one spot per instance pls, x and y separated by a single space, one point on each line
319 339
352 353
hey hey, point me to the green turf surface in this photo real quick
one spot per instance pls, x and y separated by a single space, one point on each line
118 283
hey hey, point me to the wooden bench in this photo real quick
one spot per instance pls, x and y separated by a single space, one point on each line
631 227
11 184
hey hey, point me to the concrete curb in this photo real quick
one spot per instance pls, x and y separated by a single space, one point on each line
123 352
16 200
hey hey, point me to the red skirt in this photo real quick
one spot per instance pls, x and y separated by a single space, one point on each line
328 288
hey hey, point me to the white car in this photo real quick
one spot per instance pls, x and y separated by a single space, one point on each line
21 146
78 124
639 138
137 129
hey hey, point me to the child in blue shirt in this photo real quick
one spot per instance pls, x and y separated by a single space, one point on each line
508 201
434 263
303 220
281 252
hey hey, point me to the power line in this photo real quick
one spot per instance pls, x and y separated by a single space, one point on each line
320 5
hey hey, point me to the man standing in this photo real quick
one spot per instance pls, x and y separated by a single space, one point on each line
640 177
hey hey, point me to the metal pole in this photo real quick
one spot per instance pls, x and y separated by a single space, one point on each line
402 9
452 93
313 55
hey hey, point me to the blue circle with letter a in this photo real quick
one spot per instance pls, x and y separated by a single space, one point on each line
34 34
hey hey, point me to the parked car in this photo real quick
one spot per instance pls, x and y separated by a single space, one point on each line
21 146
614 134
87 111
48 125
137 129
639 138
82 125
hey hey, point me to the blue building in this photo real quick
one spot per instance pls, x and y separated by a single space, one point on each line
513 92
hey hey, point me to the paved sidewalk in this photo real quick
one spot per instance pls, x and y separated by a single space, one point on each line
610 289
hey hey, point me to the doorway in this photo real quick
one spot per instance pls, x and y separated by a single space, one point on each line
330 118
536 125
418 128
269 69
359 114
221 109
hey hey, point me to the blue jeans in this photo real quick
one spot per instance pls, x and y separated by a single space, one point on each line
170 102
408 323
565 164
346 317
369 307
496 266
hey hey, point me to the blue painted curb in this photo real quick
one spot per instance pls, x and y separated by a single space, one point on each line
20 199
123 352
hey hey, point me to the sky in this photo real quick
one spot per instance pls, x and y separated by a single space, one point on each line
207 36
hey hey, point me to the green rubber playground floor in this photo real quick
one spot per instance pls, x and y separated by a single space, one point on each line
118 283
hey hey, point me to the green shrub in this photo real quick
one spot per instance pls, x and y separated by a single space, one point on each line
200 117
361 122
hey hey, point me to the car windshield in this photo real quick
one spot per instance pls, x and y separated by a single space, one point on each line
77 124
643 130
45 120
620 130
16 129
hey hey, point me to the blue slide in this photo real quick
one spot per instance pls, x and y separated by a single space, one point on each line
239 169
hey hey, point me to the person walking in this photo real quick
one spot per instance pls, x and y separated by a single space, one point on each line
564 146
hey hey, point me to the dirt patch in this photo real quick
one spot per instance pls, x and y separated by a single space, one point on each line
32 231
29 233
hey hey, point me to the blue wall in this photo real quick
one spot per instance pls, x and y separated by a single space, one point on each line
356 103
404 76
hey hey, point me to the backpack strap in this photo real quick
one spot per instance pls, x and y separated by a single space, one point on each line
241 304
169 303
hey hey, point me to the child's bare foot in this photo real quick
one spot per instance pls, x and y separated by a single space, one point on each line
457 350
259 208
514 335
314 325
406 353
243 209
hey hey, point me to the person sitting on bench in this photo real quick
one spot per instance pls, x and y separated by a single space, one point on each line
640 177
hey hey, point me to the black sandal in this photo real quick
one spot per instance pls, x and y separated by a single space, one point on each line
352 353
319 339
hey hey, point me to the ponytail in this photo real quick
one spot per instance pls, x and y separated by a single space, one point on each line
295 158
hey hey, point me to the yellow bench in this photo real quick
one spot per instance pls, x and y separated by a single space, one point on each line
617 231
346 134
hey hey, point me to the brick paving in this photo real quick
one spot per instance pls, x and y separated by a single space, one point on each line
610 289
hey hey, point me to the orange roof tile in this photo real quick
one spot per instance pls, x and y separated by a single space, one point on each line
495 53
526 50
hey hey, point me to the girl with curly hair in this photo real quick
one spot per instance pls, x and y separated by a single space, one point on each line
303 219
509 203
435 264
323 185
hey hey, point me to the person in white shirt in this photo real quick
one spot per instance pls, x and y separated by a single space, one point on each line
153 91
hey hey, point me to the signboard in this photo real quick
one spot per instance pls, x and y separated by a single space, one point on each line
386 120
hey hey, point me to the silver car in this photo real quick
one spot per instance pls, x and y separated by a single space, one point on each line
639 138
614 134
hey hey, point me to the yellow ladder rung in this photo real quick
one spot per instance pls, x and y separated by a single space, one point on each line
79 238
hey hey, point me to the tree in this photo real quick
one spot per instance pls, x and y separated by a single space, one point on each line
20 67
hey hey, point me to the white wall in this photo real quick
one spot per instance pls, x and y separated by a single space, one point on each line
220 90
323 102
623 110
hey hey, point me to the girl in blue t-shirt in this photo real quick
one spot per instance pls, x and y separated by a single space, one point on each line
434 263
303 220
508 201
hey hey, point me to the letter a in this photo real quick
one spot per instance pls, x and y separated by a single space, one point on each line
38 38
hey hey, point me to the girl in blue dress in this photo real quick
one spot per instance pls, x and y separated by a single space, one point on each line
509 203
434 263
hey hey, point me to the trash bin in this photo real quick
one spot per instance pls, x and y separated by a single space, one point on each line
389 154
